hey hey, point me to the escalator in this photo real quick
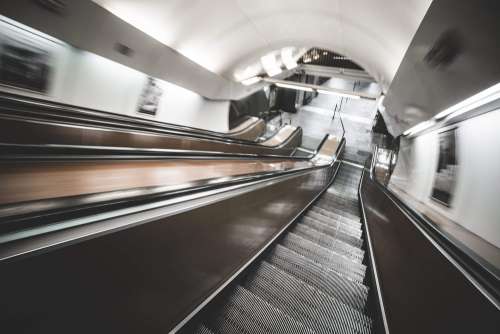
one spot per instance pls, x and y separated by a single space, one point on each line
50 127
312 280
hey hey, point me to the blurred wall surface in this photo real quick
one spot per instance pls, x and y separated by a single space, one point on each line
69 75
476 180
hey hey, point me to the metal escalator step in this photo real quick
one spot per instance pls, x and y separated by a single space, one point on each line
325 257
332 220
202 329
247 313
349 179
334 244
307 304
335 216
350 214
345 183
330 282
347 194
336 206
325 240
316 218
355 241
334 197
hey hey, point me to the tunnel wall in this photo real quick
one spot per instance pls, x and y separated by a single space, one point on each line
84 79
474 203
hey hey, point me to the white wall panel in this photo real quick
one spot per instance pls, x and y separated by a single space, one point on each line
475 202
87 80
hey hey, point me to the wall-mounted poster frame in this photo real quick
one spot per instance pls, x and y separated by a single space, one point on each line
24 64
149 100
447 168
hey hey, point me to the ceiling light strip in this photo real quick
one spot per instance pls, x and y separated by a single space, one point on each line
486 96
471 103
319 89
296 87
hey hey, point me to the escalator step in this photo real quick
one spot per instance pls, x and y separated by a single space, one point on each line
319 236
330 282
325 257
247 313
336 245
303 302
314 219
335 216
355 241
336 197
346 182
203 330
336 205
339 210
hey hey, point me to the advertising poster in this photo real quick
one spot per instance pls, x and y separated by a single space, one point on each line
24 65
446 172
150 97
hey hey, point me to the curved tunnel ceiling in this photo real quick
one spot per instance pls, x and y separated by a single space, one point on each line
226 36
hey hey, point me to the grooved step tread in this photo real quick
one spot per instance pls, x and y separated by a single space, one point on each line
248 313
335 216
325 257
325 240
305 303
330 282
338 210
316 219
319 237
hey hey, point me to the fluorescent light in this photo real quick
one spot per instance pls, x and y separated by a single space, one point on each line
296 87
250 81
486 96
418 128
288 59
270 65
331 92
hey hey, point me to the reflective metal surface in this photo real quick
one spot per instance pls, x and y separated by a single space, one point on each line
42 180
64 134
424 290
48 123
157 271
249 130
29 186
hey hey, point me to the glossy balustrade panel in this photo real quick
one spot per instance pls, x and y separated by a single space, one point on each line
16 131
423 291
149 277
24 181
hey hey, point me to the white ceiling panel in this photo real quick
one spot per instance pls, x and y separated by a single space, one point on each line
226 36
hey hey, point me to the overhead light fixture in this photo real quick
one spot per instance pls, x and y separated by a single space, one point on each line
380 103
331 92
250 81
288 59
419 128
270 65
296 87
486 96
